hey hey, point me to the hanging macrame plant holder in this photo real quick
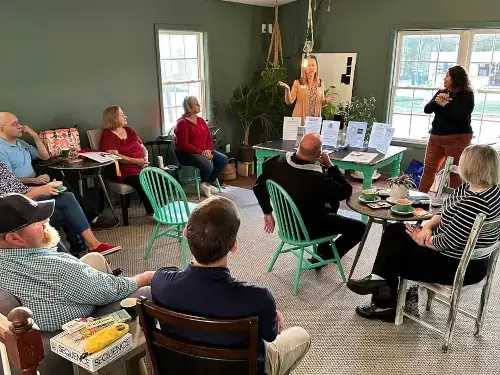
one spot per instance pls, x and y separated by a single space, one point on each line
276 48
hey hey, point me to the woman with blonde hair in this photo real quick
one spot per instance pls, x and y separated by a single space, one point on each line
308 92
432 253
119 139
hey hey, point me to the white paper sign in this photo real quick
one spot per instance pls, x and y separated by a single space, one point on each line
381 136
356 132
290 125
330 132
313 124
301 131
360 157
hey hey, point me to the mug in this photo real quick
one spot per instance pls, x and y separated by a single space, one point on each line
369 194
65 152
402 205
130 306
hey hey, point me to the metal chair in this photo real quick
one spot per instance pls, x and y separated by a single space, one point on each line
452 293
171 354
444 176
292 231
170 207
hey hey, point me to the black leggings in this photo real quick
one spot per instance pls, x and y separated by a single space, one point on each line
400 256
136 184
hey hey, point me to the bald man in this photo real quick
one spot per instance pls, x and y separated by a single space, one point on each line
312 187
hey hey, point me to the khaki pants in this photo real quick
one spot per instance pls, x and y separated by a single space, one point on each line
287 351
96 261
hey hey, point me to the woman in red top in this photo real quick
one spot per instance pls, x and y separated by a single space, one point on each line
121 140
194 146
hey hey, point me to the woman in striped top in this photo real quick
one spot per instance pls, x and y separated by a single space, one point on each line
433 253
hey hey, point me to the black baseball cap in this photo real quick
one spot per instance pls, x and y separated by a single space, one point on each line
18 211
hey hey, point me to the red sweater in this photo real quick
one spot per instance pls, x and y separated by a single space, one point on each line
130 146
191 138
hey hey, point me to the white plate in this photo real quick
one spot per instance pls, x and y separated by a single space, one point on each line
409 213
377 198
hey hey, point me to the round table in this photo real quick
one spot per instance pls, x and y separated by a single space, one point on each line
382 216
84 164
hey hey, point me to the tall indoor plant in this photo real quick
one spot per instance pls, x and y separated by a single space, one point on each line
362 110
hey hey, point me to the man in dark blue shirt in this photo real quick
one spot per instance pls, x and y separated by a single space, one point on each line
206 288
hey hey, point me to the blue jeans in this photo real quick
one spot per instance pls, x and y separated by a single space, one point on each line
209 169
69 216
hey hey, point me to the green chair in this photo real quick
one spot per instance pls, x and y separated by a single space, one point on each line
293 232
193 180
170 207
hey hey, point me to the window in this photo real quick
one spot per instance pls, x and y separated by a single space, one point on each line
422 59
182 68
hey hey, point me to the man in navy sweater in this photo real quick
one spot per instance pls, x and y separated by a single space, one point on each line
211 233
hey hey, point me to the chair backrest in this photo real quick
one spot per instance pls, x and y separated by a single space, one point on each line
291 227
94 137
165 194
159 147
444 176
471 252
171 354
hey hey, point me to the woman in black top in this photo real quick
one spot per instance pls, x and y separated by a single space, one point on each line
451 130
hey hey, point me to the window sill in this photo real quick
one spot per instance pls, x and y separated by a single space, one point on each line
410 143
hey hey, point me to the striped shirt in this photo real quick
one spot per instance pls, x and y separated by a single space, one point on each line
457 219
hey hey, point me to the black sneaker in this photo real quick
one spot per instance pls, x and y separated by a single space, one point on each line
371 311
104 222
368 286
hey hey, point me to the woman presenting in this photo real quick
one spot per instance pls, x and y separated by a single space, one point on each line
451 130
308 91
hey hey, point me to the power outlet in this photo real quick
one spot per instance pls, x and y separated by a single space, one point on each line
264 28
228 148
270 28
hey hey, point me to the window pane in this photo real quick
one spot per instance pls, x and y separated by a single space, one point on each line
425 75
496 53
403 101
420 99
191 46
192 72
181 91
169 96
401 125
177 46
448 48
476 127
442 69
490 132
492 108
194 90
429 46
164 41
410 48
176 70
478 106
482 48
419 127
179 111
408 74
170 115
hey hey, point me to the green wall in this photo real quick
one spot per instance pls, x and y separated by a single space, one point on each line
368 27
63 62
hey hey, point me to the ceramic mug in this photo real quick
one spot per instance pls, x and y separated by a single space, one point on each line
403 205
369 194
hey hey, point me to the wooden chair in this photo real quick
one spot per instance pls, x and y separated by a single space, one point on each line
170 207
173 355
451 294
292 231
123 190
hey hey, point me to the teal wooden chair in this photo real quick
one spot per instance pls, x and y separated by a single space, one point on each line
193 180
170 207
292 231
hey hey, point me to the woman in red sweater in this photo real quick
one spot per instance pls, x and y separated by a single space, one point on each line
194 146
122 140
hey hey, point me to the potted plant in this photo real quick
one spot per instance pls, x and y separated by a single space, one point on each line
362 110
329 110
247 104
399 186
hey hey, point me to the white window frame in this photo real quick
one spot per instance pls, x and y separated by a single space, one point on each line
463 59
202 73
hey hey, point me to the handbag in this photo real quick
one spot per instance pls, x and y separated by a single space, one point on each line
60 139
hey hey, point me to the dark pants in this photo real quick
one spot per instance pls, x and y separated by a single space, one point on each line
400 256
438 149
136 184
209 169
351 232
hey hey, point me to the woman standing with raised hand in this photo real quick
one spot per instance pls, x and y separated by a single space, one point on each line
451 130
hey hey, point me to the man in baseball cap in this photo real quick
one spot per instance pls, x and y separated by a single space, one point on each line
56 286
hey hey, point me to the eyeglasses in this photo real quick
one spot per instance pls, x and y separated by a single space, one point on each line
16 124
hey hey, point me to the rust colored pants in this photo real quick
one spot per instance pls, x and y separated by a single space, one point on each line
438 149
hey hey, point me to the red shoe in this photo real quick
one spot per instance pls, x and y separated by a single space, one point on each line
106 249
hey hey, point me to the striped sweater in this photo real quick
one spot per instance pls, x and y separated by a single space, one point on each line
457 218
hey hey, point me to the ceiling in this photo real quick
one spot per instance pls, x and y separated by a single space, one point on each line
265 3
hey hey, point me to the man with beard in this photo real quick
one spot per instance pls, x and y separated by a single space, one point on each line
57 287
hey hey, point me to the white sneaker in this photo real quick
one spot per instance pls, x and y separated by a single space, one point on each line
213 189
206 189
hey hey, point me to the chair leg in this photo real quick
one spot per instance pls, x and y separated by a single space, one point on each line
297 272
430 299
401 302
337 260
485 296
218 185
123 200
184 252
275 256
151 241
197 183
452 317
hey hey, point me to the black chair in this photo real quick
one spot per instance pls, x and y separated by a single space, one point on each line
173 355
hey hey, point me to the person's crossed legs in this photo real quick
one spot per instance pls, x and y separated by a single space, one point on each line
287 351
